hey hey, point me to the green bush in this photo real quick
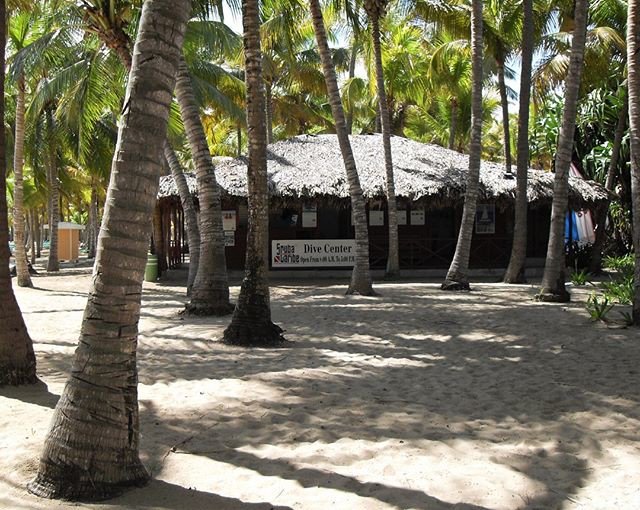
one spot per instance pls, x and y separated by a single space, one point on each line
620 289
598 307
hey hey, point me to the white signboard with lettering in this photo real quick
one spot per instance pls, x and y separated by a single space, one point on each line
417 216
228 220
402 216
313 253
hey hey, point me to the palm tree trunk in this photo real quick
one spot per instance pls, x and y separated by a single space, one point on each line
504 102
251 323
32 235
269 112
190 217
92 238
361 275
453 123
210 292
393 260
552 287
457 278
35 215
352 72
22 268
17 360
633 56
515 270
91 450
53 264
595 264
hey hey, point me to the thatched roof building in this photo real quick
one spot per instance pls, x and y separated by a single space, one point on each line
311 167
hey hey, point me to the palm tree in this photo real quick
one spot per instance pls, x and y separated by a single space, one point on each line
633 53
19 34
361 276
210 292
515 270
503 21
99 404
251 323
17 359
51 159
456 278
375 10
552 287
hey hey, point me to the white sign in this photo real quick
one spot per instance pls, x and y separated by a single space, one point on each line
376 218
313 253
309 216
402 216
228 220
417 216
229 237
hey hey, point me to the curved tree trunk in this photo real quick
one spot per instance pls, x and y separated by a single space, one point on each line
361 275
91 450
453 123
595 264
20 255
210 292
504 102
17 360
515 270
53 263
457 278
92 237
251 323
189 208
552 287
393 260
633 56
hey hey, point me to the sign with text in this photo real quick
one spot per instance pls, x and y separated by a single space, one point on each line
228 220
313 253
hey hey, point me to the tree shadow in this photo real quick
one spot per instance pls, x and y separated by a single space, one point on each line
476 368
37 394
160 494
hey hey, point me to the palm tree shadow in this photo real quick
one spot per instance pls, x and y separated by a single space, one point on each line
37 394
159 494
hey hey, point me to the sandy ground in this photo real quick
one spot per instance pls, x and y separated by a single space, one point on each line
417 399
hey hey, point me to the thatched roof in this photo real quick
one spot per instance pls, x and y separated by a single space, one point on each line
311 167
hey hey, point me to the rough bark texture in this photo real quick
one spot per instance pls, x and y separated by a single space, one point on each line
553 287
457 278
453 122
361 275
269 112
352 72
53 263
595 264
633 59
210 291
189 208
516 267
251 323
91 450
17 360
20 255
92 234
393 260
504 102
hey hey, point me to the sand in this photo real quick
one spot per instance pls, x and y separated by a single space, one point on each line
417 399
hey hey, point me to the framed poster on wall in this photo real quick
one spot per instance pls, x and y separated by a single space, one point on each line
485 219
309 216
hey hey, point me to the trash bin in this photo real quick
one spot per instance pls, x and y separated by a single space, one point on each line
151 271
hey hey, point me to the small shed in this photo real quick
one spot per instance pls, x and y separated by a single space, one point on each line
69 241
